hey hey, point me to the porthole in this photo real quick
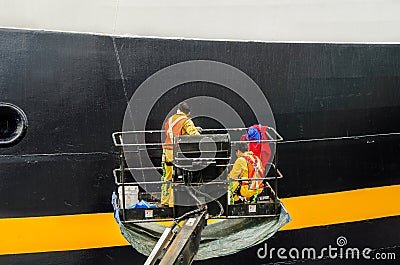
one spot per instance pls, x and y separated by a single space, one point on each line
13 124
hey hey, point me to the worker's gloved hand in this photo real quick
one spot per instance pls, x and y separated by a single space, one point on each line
199 129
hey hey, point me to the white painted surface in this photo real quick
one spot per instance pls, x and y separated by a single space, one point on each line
264 20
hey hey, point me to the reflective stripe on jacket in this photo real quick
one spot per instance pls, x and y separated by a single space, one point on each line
255 170
177 124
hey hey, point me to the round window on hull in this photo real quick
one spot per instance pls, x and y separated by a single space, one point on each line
13 124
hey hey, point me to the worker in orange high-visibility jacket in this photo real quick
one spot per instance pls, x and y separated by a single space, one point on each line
177 124
247 166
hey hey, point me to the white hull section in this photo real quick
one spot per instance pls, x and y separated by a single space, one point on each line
256 20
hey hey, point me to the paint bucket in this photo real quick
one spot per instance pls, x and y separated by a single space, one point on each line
131 196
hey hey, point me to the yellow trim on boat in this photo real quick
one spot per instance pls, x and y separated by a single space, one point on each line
98 230
342 207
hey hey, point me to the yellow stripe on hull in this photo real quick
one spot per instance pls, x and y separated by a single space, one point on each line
98 230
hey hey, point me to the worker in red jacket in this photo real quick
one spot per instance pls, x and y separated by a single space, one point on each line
257 136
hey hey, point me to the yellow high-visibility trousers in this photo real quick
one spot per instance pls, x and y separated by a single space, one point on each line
167 195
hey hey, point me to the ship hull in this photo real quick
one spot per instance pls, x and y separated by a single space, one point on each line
74 89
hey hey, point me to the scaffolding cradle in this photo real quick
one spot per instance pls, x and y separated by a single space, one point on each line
200 167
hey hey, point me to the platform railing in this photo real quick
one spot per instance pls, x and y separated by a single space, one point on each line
120 173
119 141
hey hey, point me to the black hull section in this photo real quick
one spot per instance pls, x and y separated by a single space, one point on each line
71 89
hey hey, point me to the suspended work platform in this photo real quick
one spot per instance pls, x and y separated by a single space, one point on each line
200 187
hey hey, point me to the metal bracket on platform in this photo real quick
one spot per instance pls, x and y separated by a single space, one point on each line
181 246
